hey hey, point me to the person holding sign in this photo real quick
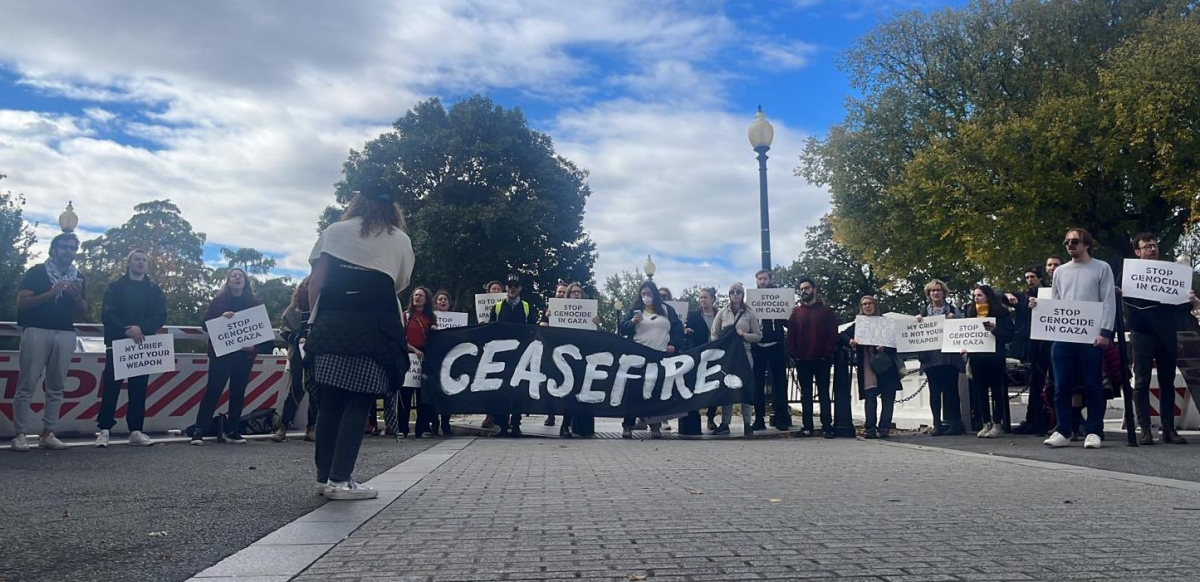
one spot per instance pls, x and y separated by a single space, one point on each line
560 292
737 317
293 329
940 368
442 303
654 324
771 360
356 340
133 307
988 369
878 375
578 424
1154 328
232 368
1083 279
418 321
811 340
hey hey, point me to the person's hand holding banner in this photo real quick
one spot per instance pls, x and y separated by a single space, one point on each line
244 329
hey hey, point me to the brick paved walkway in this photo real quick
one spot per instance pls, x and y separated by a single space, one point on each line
765 510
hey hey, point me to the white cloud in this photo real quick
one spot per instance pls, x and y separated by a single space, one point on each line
785 55
253 107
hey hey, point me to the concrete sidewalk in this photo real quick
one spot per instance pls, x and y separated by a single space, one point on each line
541 509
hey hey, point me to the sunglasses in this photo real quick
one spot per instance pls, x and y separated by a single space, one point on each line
736 293
1071 242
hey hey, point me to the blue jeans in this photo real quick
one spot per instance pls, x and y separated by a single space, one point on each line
1075 365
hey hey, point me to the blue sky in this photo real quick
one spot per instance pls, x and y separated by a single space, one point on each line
242 113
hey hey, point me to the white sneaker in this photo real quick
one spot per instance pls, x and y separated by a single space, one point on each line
665 425
20 444
322 487
985 432
349 491
997 430
102 439
52 443
138 438
1057 441
1092 441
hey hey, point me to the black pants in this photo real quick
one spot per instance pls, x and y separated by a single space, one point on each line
770 360
135 409
340 432
232 368
808 374
1037 411
296 394
1150 349
988 377
943 397
884 422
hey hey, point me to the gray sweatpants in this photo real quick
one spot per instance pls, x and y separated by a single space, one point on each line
45 353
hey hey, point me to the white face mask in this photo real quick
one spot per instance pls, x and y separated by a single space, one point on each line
647 299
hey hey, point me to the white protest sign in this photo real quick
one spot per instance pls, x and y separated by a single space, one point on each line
573 313
771 303
1076 322
914 336
968 335
681 309
875 331
1045 293
247 328
484 303
1160 281
414 376
155 355
450 319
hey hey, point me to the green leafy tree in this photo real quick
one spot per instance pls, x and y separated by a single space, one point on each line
250 260
16 238
483 194
176 260
276 295
983 133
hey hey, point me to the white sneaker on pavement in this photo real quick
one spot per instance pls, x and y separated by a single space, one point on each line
985 431
102 439
138 438
52 443
1057 441
20 444
997 430
322 487
1092 442
349 491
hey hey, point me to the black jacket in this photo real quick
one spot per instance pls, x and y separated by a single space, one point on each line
1152 317
699 327
128 302
1003 331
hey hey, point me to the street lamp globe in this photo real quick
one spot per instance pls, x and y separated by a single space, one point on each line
649 267
67 221
761 133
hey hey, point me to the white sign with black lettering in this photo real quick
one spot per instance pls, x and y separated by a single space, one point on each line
919 336
1045 293
414 376
573 313
771 303
968 335
875 331
155 355
247 328
1076 322
681 309
1160 281
484 303
450 319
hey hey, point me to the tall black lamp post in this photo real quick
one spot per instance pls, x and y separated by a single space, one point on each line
761 133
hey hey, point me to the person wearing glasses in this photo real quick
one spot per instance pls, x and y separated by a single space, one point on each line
1154 329
1084 278
874 386
942 369
737 317
654 324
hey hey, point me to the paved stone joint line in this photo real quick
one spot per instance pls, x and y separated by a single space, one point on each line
286 552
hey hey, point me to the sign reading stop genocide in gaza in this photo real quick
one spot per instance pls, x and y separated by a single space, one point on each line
1160 281
1076 322
771 303
247 328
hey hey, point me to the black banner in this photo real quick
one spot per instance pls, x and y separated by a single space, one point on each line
504 366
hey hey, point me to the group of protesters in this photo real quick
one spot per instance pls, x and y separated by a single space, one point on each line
349 344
